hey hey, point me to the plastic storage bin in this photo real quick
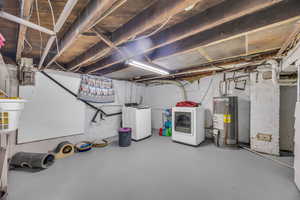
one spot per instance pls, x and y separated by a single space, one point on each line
10 112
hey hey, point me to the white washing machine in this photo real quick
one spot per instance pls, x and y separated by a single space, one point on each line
138 118
188 125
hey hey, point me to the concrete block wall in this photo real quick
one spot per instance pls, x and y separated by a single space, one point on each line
264 114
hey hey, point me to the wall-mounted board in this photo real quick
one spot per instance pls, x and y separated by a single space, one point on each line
51 112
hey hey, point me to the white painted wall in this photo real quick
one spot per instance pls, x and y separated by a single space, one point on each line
126 92
166 96
264 114
50 111
297 132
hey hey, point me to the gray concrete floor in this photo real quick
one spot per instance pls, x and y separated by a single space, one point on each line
157 169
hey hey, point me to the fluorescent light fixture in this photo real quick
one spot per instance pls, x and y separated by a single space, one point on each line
191 7
147 66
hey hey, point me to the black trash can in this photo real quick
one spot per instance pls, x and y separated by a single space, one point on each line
124 137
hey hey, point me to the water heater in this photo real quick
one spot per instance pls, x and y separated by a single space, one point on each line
231 120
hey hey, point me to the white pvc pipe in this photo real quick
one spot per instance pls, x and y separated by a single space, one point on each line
275 68
24 22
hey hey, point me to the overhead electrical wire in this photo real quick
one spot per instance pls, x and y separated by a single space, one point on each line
54 21
28 43
152 33
208 89
52 13
39 23
75 95
60 66
157 30
113 8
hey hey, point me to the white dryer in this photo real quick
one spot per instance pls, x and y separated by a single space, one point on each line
138 118
188 125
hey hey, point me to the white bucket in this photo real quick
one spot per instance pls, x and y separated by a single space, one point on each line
10 112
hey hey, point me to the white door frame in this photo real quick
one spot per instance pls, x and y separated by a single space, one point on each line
297 131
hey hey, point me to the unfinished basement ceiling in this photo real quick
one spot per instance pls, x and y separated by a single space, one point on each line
262 40
45 16
90 54
129 73
9 29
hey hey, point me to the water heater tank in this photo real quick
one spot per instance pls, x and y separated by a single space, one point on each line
225 121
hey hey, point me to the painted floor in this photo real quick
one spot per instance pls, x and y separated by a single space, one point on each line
157 169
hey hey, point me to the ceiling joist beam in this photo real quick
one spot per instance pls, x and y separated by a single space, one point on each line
226 64
91 13
106 40
59 24
25 14
24 22
108 12
213 17
154 15
275 14
290 39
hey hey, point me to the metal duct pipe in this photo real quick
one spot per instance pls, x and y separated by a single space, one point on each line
177 83
32 160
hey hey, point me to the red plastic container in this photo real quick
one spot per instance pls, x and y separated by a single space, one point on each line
187 104
161 132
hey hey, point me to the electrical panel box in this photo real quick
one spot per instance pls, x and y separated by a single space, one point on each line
26 72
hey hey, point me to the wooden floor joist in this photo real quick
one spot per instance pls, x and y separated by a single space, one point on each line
290 39
272 15
152 16
25 14
220 14
58 25
215 66
91 13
